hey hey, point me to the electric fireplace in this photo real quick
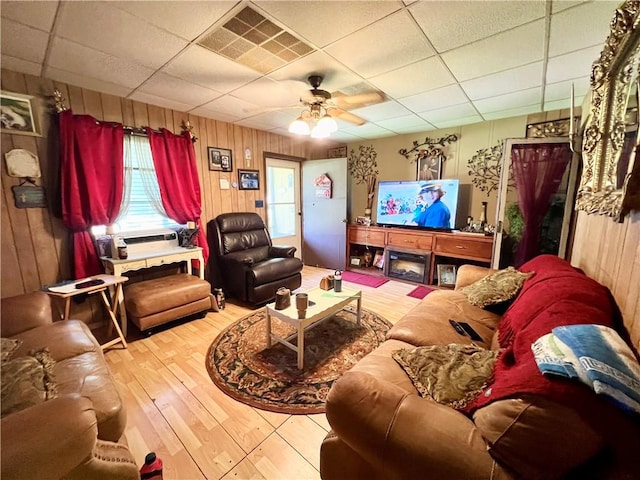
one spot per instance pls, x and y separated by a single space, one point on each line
408 265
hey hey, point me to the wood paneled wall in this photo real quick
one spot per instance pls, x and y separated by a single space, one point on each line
35 244
610 253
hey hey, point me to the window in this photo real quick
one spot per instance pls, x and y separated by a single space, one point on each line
141 207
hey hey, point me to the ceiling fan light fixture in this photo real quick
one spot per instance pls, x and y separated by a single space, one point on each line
319 132
299 126
327 123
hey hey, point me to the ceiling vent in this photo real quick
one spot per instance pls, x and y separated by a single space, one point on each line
252 40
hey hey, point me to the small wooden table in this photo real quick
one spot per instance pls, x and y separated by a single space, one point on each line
326 304
111 282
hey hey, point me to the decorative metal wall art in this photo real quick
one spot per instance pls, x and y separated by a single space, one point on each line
552 128
485 168
431 147
610 185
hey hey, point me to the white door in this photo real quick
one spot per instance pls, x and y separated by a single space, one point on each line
283 202
324 218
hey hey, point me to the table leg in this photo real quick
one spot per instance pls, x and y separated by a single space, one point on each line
67 306
111 311
268 322
300 345
359 308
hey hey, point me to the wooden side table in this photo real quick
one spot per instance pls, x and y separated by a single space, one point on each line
111 283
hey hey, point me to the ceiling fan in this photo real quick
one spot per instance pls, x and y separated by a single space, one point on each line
321 103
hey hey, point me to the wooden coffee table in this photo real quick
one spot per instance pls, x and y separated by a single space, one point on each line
326 304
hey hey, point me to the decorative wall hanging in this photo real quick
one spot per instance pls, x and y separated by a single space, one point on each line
22 163
610 181
484 168
337 152
29 196
17 114
431 147
249 179
323 184
363 168
554 128
220 159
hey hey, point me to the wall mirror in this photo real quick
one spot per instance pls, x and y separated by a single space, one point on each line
610 181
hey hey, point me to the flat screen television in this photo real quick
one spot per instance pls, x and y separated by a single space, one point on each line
427 204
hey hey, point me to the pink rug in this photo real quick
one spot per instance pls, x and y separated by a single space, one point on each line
359 278
420 292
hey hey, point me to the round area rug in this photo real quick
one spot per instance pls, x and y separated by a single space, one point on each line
268 378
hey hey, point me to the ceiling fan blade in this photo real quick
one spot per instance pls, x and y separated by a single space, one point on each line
358 100
346 116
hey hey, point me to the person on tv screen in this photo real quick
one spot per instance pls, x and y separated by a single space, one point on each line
436 214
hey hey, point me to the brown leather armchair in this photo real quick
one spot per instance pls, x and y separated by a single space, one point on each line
245 262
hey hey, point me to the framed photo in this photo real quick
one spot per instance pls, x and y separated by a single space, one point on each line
337 152
446 275
429 167
17 114
220 159
366 221
249 179
355 261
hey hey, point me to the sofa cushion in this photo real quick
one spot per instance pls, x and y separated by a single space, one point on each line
27 381
536 437
451 374
7 347
495 288
275 269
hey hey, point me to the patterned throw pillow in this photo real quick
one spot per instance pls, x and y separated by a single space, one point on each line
7 347
27 381
496 287
451 374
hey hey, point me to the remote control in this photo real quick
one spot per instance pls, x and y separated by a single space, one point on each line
470 331
90 283
457 327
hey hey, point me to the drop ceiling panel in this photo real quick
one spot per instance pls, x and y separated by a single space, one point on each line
425 75
186 19
381 111
323 22
215 114
160 101
101 26
572 65
19 65
518 78
406 121
450 113
21 41
341 136
83 81
386 52
512 112
230 105
84 61
581 26
520 46
439 98
203 67
165 86
39 15
531 96
459 122
452 24
268 93
318 63
368 130
560 90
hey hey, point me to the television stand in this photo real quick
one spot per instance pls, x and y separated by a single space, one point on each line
445 248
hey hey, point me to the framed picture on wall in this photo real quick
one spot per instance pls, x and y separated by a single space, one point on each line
17 114
220 159
248 179
429 167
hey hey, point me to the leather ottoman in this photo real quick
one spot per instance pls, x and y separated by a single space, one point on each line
154 302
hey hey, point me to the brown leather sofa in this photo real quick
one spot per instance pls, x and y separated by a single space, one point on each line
246 263
74 435
383 429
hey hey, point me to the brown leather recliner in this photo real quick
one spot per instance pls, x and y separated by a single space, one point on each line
245 262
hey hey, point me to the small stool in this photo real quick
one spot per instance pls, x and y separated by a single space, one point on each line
154 302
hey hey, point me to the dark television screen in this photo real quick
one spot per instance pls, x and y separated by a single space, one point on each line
420 204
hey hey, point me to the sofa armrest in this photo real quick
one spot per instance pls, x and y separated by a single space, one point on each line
48 440
468 274
24 312
282 251
404 435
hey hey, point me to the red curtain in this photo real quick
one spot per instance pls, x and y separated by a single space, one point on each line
175 162
537 171
91 183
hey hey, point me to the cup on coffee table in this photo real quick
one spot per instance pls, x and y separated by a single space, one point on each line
302 303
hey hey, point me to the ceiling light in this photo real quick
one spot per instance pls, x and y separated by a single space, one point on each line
315 122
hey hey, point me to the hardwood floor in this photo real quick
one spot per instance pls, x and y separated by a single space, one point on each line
175 410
